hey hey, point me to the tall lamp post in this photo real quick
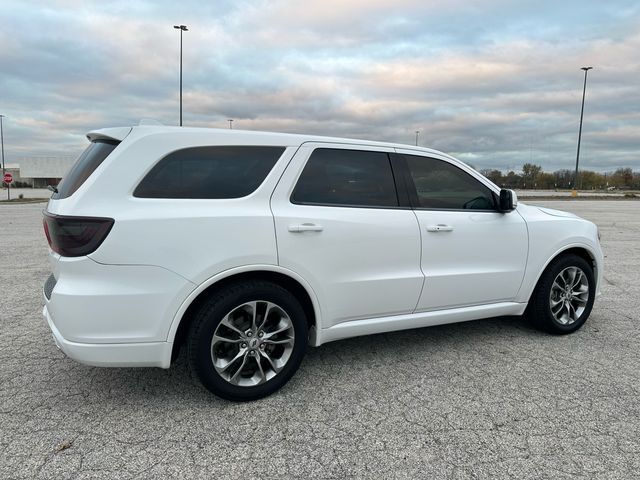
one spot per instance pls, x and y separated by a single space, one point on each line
584 89
2 142
182 28
2 150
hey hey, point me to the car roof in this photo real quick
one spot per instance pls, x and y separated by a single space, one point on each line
287 139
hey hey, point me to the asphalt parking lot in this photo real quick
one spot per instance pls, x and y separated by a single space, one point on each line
486 399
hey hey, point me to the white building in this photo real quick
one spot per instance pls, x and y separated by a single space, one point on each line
43 171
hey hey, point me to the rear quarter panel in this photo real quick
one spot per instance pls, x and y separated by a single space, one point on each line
194 238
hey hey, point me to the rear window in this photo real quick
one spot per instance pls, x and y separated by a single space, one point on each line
209 172
346 178
90 159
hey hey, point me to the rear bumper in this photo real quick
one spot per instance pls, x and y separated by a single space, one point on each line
148 354
112 315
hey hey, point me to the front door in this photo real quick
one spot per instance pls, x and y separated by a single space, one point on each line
471 253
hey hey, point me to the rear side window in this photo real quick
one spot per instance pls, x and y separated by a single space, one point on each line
209 172
346 178
90 159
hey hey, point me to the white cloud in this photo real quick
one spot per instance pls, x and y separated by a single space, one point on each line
495 81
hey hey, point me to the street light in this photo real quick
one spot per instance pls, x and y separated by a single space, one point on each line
230 123
417 133
182 28
584 89
2 142
2 150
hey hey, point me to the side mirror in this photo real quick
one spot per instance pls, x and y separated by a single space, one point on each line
508 200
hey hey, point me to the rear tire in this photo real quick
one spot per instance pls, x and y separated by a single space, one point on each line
564 295
247 340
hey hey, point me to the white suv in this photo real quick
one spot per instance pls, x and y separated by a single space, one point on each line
245 247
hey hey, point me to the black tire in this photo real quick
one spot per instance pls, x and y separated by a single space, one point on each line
211 314
539 308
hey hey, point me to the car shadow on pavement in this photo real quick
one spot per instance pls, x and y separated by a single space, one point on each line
326 364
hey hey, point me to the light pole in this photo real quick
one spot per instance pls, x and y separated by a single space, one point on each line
230 123
182 28
2 142
2 150
584 90
417 133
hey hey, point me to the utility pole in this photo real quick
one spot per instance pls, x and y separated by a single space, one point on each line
417 133
182 28
584 90
230 123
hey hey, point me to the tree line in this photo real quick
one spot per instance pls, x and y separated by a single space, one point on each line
532 176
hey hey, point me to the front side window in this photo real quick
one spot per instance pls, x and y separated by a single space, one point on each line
346 178
441 185
209 172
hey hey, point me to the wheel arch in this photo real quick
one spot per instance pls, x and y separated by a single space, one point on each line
286 278
581 250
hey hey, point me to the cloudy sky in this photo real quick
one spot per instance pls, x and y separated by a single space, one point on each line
494 82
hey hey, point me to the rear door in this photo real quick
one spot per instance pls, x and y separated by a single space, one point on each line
471 253
340 225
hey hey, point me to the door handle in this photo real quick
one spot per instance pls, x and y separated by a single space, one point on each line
440 228
305 227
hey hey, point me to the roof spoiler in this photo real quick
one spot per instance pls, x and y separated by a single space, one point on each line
109 134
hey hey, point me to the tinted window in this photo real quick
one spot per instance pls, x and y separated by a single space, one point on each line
93 156
209 172
440 184
346 177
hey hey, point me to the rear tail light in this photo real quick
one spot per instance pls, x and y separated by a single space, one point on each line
75 236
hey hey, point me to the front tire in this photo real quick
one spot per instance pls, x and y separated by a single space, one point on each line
563 298
248 340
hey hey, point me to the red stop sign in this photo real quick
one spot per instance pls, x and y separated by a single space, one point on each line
8 178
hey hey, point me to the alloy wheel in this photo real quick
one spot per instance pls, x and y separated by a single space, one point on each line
569 295
252 343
